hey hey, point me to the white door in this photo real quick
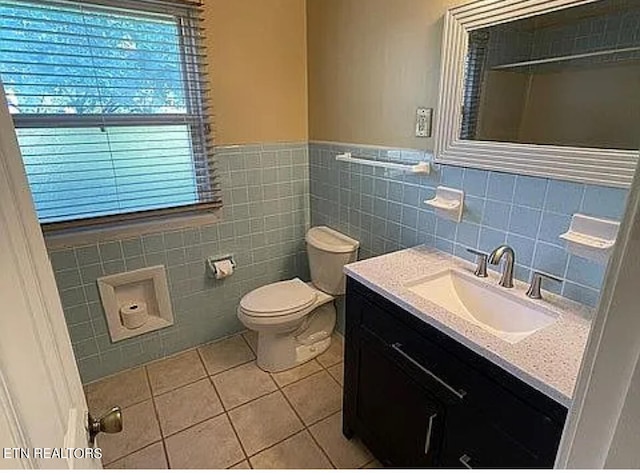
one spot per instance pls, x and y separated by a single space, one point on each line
602 427
42 405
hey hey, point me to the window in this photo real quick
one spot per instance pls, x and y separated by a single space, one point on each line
108 100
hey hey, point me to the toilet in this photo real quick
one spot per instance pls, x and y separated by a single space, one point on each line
294 319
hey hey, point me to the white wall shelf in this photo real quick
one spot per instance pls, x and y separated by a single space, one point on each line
570 57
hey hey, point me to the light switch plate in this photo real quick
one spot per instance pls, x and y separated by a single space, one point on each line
424 118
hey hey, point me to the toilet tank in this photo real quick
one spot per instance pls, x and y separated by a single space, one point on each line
328 252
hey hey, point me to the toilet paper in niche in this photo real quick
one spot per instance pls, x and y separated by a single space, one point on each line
223 268
134 315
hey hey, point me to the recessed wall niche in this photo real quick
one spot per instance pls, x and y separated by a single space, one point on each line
136 302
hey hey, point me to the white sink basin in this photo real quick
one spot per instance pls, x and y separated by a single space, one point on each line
492 309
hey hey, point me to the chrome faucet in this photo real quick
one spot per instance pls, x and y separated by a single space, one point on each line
507 271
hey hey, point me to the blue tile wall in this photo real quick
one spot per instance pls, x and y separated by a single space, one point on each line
266 214
386 213
272 192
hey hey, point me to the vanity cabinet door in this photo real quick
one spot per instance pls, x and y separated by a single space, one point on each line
399 420
473 441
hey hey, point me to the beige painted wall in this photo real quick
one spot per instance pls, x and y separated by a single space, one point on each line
371 64
257 60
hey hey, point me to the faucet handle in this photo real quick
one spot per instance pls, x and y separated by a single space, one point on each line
481 262
536 284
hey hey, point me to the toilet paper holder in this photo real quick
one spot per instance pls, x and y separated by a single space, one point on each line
212 260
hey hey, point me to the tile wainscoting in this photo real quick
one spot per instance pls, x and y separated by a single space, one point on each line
273 192
385 212
265 216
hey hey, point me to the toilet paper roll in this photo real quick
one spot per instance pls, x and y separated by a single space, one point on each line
134 315
223 268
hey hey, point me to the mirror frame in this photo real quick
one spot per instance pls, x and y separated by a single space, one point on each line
608 167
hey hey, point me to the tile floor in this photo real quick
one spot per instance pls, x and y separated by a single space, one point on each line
212 407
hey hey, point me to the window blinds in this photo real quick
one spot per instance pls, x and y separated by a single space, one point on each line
109 103
474 76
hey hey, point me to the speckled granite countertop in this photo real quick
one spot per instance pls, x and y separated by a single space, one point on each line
548 360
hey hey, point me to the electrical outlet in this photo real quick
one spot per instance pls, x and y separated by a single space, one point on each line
423 122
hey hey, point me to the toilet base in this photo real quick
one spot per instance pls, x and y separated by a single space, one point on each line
282 351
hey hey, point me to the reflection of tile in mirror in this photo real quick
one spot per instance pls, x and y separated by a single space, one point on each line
535 80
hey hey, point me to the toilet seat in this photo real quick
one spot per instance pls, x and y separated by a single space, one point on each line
278 299
295 319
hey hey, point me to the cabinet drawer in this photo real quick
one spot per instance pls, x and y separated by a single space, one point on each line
457 382
409 351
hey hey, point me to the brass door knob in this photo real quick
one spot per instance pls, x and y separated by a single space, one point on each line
110 423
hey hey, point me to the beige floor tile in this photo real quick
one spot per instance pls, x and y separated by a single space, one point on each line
315 397
337 373
186 406
243 384
149 458
295 374
170 373
140 428
244 465
251 338
373 464
123 389
299 451
264 422
222 355
344 453
212 444
334 353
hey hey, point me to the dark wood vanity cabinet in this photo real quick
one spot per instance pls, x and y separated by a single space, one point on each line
418 398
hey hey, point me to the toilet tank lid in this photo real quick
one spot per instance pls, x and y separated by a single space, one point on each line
330 240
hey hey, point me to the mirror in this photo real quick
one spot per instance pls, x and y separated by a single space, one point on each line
570 77
545 88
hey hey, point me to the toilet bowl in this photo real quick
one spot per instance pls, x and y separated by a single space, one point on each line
294 320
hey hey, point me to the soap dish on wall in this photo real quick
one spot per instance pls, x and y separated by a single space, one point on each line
591 238
448 203
145 289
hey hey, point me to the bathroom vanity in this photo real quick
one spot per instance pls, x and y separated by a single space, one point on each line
425 388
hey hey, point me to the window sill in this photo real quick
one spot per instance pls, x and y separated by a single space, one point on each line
83 236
